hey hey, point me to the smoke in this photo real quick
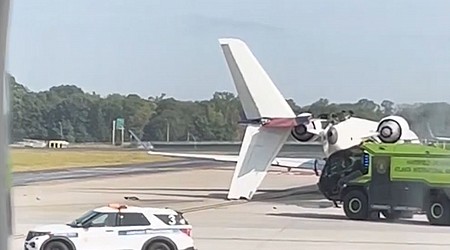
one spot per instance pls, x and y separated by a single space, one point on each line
437 115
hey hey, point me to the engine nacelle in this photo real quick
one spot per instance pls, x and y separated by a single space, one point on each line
391 128
332 135
305 122
300 133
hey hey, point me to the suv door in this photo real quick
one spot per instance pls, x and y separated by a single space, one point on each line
133 230
100 232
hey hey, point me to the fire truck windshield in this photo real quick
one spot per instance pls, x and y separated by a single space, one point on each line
339 168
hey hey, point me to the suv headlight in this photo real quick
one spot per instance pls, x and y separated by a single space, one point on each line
32 234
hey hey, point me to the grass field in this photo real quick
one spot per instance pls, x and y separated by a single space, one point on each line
45 159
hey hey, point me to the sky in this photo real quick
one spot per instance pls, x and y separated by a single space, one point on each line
341 50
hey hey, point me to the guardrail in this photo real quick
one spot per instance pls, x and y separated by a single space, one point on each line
219 147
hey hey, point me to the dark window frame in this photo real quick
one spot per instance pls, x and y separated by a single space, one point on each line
142 223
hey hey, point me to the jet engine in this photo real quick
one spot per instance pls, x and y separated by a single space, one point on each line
301 131
332 135
390 128
306 124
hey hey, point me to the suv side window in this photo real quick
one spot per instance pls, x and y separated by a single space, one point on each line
104 220
133 219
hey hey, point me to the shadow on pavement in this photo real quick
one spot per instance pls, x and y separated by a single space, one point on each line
306 196
344 218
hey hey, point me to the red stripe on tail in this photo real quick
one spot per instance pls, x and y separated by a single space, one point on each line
281 123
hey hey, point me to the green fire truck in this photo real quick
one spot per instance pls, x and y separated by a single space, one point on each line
389 179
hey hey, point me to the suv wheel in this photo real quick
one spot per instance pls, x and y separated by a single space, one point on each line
438 212
355 205
56 245
159 246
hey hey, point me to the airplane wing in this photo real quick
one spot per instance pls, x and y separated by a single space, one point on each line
260 146
284 162
437 138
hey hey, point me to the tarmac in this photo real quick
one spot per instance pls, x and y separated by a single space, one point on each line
288 212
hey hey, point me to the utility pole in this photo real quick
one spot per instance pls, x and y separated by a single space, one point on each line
6 227
122 135
114 132
61 130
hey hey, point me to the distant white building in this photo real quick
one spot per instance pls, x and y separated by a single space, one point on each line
32 143
58 144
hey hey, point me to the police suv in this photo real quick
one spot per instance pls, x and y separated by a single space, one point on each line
115 227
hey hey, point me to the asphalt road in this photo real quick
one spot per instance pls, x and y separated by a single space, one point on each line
28 178
287 213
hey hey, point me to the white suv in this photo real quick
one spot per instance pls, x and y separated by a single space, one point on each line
116 227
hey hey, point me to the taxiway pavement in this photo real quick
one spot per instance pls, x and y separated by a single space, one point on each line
287 212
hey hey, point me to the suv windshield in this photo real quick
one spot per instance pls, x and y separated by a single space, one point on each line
83 219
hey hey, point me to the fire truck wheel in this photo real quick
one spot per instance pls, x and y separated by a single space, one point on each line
356 205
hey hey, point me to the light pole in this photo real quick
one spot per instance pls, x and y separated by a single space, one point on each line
167 130
113 137
61 130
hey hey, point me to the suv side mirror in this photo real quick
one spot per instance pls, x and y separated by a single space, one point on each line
87 225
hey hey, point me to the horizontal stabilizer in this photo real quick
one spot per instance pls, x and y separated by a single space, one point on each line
258 94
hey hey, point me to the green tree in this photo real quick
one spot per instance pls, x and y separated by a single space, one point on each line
84 117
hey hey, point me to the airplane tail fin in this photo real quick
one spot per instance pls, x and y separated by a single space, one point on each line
430 131
435 137
269 118
259 96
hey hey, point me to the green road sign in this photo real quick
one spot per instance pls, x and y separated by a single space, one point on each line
120 123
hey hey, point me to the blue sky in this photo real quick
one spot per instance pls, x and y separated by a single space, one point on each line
340 50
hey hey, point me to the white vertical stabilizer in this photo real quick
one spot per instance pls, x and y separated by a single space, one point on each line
258 94
260 98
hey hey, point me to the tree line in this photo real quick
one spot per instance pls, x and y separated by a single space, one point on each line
67 112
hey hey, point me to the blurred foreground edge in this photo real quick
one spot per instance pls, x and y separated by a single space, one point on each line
5 175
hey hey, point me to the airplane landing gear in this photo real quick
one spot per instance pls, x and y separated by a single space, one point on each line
336 204
315 168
